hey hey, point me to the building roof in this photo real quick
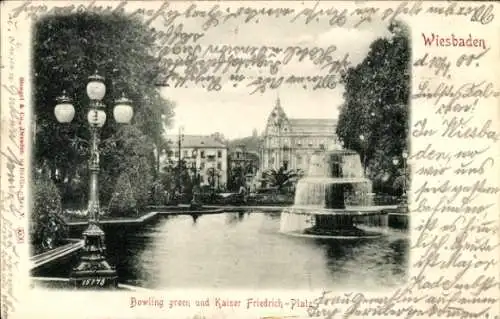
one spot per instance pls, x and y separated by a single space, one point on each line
312 122
313 127
196 141
301 126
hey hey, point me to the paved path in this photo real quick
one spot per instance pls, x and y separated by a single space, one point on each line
137 220
51 255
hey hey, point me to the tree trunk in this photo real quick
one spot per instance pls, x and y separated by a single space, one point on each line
53 169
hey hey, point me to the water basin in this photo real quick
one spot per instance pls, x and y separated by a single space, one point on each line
245 251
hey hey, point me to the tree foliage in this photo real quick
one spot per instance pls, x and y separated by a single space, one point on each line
177 175
214 176
281 178
123 202
374 117
250 143
48 228
69 48
236 178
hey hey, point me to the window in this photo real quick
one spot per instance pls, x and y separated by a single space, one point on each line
219 154
237 154
185 153
202 165
170 153
322 146
176 153
202 154
219 165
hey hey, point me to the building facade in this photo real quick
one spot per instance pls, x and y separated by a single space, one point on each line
203 155
290 142
243 166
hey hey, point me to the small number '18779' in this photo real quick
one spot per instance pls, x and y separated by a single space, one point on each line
94 282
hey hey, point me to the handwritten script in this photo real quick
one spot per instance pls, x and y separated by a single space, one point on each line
453 160
12 203
190 57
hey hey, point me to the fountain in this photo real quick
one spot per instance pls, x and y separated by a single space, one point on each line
333 200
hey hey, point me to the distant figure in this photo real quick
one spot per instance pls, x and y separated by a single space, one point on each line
242 193
242 190
177 196
167 197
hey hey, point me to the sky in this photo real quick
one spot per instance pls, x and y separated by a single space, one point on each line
233 111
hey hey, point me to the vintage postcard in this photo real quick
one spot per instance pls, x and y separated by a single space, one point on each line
250 159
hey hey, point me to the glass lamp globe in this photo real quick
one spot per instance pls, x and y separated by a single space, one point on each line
395 161
405 154
96 89
123 110
96 117
64 110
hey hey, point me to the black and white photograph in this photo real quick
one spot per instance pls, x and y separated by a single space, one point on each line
187 151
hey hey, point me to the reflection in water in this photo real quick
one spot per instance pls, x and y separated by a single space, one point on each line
273 215
195 217
383 259
224 251
246 251
232 219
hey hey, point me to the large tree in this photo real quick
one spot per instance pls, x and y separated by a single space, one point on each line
374 117
67 49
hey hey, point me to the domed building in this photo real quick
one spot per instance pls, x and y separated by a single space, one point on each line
290 142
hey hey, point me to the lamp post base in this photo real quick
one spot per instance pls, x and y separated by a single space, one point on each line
93 271
104 278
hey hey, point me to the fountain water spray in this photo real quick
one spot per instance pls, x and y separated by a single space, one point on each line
333 200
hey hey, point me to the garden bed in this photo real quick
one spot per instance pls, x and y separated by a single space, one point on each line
71 217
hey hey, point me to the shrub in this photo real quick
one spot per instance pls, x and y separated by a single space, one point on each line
158 194
47 227
139 171
123 202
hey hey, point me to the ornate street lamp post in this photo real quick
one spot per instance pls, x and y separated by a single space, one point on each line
93 271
